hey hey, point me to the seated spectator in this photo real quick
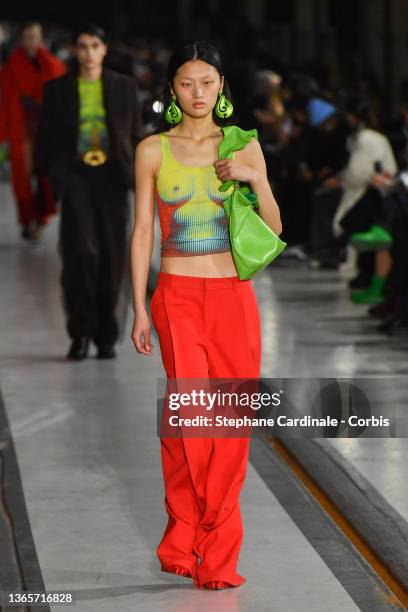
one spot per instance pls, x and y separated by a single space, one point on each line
371 160
388 236
327 157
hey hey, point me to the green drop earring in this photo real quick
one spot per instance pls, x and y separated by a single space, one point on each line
173 114
223 108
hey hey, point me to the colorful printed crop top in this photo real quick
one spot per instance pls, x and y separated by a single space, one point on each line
192 217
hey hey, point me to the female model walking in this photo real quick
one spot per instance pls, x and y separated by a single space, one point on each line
206 318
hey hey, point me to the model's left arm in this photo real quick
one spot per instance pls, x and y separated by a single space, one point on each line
250 167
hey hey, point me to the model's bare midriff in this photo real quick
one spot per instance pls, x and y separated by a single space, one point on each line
208 266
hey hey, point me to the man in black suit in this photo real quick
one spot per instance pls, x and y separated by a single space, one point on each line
89 127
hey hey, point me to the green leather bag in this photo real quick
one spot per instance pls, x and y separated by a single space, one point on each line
253 244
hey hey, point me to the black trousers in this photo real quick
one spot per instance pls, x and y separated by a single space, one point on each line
396 213
323 208
93 248
364 213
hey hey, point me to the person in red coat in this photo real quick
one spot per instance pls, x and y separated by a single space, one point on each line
22 79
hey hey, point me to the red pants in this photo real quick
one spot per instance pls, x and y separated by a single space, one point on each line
207 328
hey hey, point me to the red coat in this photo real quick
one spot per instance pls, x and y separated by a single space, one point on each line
21 91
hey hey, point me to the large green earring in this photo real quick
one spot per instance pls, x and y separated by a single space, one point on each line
224 107
173 114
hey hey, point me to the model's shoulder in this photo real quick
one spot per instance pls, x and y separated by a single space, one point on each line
251 153
252 145
150 142
149 146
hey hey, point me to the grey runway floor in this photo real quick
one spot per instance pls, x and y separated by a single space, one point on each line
89 458
320 333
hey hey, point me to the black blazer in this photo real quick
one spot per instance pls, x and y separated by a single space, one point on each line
58 129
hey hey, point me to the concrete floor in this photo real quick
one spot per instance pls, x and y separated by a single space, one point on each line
89 456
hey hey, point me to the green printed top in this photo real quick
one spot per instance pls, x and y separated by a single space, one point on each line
93 133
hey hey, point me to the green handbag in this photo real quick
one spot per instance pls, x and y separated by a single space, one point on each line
253 244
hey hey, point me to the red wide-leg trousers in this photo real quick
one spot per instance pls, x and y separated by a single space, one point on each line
207 328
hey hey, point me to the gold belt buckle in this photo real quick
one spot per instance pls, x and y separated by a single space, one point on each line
94 157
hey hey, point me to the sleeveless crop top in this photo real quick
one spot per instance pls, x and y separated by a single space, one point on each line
192 217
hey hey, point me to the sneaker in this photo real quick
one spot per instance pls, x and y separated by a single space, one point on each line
373 240
366 297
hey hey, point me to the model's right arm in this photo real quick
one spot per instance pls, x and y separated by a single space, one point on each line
147 160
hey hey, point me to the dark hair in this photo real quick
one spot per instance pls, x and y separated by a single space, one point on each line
92 29
359 106
199 50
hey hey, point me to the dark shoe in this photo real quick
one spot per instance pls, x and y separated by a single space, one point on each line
31 231
400 328
79 349
26 232
106 351
396 324
385 310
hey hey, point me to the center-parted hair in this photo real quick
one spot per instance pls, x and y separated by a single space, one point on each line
199 50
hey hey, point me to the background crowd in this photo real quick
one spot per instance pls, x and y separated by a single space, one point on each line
337 157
